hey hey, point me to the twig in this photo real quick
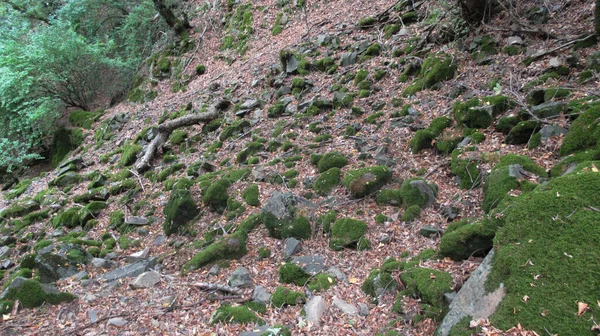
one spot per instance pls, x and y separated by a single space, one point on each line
216 287
540 55
436 167
139 179
592 208
80 329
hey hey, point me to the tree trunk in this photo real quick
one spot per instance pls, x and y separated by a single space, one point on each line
180 26
597 19
165 130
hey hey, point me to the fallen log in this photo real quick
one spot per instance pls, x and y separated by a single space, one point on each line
165 130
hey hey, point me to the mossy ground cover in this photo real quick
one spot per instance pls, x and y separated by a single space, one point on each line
547 251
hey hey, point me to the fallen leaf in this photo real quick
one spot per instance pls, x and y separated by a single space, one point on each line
353 280
581 308
525 298
330 280
431 276
544 312
594 168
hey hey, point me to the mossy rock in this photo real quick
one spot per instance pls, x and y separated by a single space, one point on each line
69 218
364 181
178 137
583 133
65 140
326 220
346 232
236 127
91 211
292 273
380 280
286 297
331 160
522 132
439 124
129 153
465 165
298 227
321 282
411 213
505 176
464 239
546 250
251 148
327 181
235 314
416 191
232 246
421 140
180 209
33 294
389 196
216 195
19 189
251 194
436 68
84 119
568 162
428 284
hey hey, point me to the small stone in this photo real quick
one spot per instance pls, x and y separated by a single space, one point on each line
429 231
145 280
314 309
136 220
5 251
93 314
142 231
449 212
99 262
159 240
554 62
549 131
292 246
349 58
7 264
261 295
214 270
514 40
363 309
88 282
117 321
167 302
403 32
345 307
312 265
384 238
240 277
334 271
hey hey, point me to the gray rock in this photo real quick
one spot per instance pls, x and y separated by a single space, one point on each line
549 131
261 330
334 271
345 307
93 315
403 32
363 309
7 240
6 264
142 231
425 190
99 262
140 255
136 220
311 264
548 109
282 205
168 302
429 231
18 282
80 275
214 270
384 238
240 277
472 299
53 267
250 104
449 297
5 252
258 173
349 58
261 295
117 321
159 240
516 171
145 280
554 62
323 39
291 66
314 309
449 212
292 246
514 40
130 270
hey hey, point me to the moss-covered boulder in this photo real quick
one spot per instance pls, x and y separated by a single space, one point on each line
84 119
364 181
465 165
389 196
251 194
416 191
180 209
216 195
331 160
480 112
546 250
286 215
346 232
65 140
286 297
522 132
509 174
232 246
327 181
235 314
66 180
421 140
428 284
436 68
380 280
292 273
69 218
583 133
411 213
129 153
31 293
464 239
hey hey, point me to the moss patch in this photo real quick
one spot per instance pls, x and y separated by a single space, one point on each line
327 181
180 209
286 297
346 232
65 140
583 133
251 194
292 273
435 69
364 181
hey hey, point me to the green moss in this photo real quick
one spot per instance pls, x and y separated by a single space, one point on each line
413 195
366 23
84 119
235 314
421 140
178 137
379 282
238 29
286 297
327 181
330 160
372 119
65 140
41 244
229 247
586 155
548 239
31 294
380 218
439 124
364 181
323 137
583 133
129 153
264 252
251 194
19 189
464 239
236 127
251 148
180 209
293 274
373 50
69 218
276 110
326 220
411 213
389 196
321 282
465 166
200 69
429 284
346 232
522 132
435 69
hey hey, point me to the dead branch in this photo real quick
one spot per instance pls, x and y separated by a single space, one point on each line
139 179
165 129
80 329
542 54
206 286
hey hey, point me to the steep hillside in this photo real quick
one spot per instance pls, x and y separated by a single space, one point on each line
323 168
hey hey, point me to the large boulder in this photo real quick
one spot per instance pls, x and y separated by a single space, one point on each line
287 215
180 209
